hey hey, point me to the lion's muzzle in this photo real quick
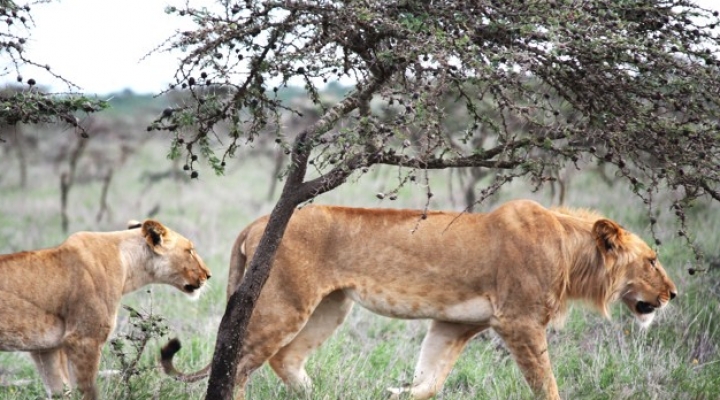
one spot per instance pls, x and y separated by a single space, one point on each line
196 280
644 308
191 288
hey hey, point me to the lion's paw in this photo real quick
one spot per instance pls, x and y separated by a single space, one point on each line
397 392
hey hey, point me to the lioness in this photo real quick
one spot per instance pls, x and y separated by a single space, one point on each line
513 270
60 304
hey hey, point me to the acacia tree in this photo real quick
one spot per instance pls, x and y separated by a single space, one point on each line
27 102
634 83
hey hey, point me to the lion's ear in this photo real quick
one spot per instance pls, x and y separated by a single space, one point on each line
608 234
133 224
154 232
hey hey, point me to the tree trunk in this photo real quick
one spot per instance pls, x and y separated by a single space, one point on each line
67 179
235 321
22 159
241 304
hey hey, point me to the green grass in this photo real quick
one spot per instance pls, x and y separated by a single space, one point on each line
677 358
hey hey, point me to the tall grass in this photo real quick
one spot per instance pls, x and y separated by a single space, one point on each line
677 358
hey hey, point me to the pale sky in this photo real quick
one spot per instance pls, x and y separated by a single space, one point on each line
99 44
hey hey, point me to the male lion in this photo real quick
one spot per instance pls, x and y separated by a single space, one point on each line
60 304
513 270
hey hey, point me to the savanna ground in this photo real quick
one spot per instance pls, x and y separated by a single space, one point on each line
677 358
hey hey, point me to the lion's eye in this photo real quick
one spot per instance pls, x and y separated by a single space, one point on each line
653 262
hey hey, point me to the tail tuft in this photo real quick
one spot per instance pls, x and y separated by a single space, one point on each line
168 351
166 362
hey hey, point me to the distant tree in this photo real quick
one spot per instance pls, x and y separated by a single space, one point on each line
27 102
634 83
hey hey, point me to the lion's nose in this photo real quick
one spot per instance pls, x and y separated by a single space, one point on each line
673 295
207 272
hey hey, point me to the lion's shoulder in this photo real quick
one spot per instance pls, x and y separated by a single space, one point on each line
87 248
521 208
524 209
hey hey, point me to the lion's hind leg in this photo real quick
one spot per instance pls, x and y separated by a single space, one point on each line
26 327
284 330
289 362
440 349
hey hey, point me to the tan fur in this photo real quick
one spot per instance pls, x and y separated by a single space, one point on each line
513 270
60 304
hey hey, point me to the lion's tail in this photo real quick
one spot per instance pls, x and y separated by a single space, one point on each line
238 261
166 361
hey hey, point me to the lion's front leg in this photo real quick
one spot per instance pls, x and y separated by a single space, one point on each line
84 359
52 366
527 343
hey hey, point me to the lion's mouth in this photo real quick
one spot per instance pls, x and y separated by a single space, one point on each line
191 288
644 308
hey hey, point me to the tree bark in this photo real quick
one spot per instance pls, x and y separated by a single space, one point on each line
235 321
22 159
241 304
67 179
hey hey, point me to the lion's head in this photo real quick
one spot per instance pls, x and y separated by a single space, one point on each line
640 280
175 258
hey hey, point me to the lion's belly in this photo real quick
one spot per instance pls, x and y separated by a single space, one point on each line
474 310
